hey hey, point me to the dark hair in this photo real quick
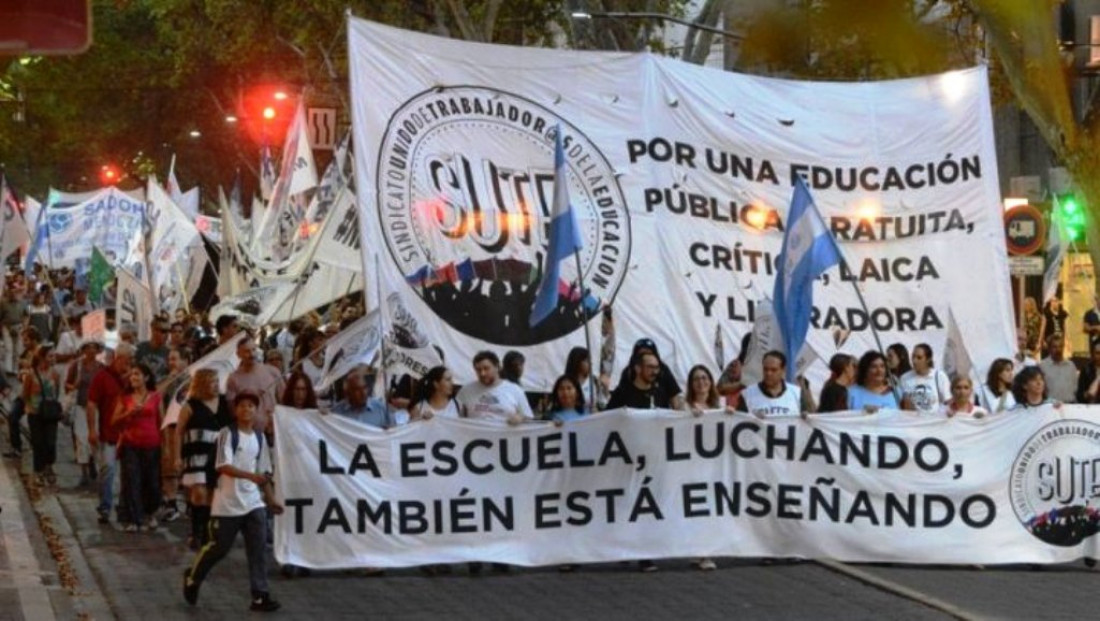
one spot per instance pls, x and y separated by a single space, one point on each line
711 398
224 322
902 352
865 362
995 370
487 355
147 373
573 361
1019 383
426 387
246 396
288 392
512 360
927 349
838 364
555 405
778 355
182 352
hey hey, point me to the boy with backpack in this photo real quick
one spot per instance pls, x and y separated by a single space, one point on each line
243 491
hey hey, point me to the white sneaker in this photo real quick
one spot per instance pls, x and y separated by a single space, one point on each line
705 564
152 523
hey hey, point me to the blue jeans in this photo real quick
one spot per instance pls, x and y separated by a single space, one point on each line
106 460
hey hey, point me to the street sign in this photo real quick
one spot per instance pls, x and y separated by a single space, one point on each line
321 123
1026 266
1025 230
45 27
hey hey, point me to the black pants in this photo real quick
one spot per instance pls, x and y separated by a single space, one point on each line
43 443
14 418
140 483
223 531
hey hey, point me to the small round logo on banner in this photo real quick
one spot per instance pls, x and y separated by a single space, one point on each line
466 193
1055 483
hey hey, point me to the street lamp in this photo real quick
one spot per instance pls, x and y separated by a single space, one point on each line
657 16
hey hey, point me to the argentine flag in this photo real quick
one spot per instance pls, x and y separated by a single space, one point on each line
808 250
565 239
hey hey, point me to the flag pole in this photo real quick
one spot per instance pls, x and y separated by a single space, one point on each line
587 334
381 329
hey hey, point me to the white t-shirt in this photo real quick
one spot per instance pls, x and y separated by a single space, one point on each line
450 410
926 392
497 402
759 403
234 496
995 404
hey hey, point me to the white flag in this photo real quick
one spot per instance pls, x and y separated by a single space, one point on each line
355 345
956 359
15 234
132 303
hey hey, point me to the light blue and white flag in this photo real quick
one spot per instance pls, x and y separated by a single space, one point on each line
808 251
565 239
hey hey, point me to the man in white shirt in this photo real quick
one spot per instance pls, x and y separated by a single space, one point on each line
491 397
1060 374
773 396
242 495
1022 358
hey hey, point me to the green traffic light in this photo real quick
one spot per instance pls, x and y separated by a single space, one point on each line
1069 205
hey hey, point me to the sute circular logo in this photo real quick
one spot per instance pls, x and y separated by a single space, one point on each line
465 196
1055 483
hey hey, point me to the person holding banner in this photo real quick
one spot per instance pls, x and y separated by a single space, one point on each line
772 396
925 387
643 391
665 377
358 404
1030 390
897 361
834 394
435 396
997 390
566 401
578 365
871 391
201 418
299 392
491 397
701 393
962 400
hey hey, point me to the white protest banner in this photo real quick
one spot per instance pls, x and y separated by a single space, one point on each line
15 234
93 325
210 228
354 345
340 237
278 236
681 176
110 220
132 303
894 488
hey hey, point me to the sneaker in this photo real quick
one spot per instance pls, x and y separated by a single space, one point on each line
706 564
264 603
152 523
190 588
131 528
647 567
171 514
104 516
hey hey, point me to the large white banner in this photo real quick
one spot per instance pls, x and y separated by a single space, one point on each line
681 176
109 219
896 487
172 263
133 304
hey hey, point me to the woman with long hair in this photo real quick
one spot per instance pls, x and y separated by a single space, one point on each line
872 390
997 390
138 416
701 394
578 365
566 400
299 392
924 386
435 396
842 374
897 360
42 383
201 418
1033 324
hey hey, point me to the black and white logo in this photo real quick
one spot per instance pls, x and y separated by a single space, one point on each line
1055 483
465 191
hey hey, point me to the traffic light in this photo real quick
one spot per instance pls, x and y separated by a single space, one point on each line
1072 214
266 110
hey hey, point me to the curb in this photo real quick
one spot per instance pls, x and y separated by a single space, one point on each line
898 589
